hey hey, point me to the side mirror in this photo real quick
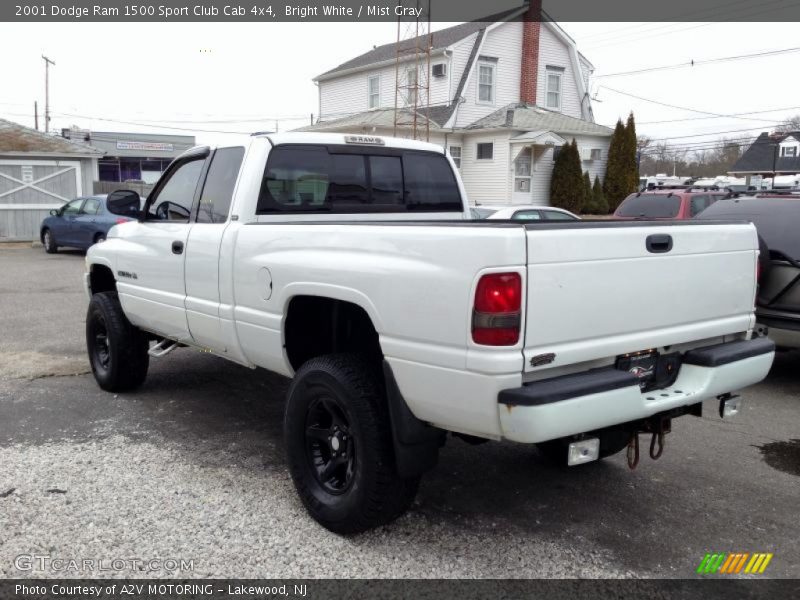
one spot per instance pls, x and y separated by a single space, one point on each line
125 203
54 212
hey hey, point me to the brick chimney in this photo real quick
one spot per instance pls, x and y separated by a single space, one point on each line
529 73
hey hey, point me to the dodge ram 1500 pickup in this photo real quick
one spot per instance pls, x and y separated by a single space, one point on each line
350 264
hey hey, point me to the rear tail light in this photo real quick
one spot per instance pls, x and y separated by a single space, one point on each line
496 315
121 220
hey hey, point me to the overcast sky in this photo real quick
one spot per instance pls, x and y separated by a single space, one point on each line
214 76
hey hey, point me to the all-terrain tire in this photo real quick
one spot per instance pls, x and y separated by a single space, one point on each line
117 349
330 395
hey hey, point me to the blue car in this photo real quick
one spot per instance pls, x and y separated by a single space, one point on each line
80 223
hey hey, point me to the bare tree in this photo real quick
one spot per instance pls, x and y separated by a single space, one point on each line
790 124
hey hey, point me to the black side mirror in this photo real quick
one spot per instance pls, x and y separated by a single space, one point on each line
125 203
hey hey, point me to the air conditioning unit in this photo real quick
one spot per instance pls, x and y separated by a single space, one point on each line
439 70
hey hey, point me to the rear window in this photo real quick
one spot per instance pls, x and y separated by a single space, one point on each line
652 206
335 179
775 219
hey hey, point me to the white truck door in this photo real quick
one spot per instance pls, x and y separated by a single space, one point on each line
151 272
203 248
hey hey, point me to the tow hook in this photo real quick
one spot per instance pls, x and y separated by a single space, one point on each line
658 429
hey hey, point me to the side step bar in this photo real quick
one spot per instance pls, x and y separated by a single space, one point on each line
163 348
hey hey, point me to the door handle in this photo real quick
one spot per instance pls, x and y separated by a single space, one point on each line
177 247
659 243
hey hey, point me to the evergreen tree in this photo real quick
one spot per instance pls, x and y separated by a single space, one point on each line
588 206
615 184
631 167
566 183
599 203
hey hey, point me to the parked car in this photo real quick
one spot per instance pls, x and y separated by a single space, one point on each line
351 264
80 223
777 219
532 212
677 203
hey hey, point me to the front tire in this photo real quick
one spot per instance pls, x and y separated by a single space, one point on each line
117 349
339 445
49 242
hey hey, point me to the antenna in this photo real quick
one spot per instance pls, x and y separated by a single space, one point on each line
413 69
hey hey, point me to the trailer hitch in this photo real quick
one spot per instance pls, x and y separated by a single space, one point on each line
657 427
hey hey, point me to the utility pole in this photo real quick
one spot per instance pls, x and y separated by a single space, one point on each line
36 114
47 63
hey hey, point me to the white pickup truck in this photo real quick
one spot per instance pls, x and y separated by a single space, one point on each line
350 264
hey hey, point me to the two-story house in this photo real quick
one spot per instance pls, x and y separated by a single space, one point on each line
503 97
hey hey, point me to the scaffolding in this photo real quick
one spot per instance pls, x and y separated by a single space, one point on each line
413 70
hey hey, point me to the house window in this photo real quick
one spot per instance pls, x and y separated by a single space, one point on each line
374 91
595 154
486 151
455 154
411 85
789 151
553 96
486 82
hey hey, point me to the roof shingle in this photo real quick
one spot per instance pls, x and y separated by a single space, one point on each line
18 138
536 118
760 156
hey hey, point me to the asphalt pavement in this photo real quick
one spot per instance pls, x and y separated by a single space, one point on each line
191 468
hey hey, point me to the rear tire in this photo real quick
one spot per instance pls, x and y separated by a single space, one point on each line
49 242
117 349
339 445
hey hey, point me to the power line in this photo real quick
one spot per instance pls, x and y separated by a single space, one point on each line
675 106
752 112
694 63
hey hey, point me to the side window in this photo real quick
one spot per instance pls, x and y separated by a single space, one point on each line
296 179
697 205
72 208
554 215
215 201
173 201
527 215
91 206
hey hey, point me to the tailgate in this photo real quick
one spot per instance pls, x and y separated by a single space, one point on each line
595 290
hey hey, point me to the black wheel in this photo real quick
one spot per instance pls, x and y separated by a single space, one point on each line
611 443
100 237
339 445
49 242
117 349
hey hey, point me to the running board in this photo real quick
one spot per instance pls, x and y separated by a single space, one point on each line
163 348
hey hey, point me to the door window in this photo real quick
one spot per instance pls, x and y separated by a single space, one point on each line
527 215
173 201
72 208
554 215
698 204
91 207
215 201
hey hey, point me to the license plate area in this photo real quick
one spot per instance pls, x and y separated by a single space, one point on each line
654 370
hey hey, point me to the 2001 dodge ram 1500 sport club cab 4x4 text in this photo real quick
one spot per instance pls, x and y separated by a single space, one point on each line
350 264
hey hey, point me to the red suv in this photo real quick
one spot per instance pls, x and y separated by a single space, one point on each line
668 203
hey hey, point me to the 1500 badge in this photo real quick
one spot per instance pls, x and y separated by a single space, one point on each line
127 274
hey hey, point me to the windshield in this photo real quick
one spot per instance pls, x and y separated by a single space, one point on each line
653 206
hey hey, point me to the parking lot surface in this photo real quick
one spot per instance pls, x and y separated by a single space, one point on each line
191 466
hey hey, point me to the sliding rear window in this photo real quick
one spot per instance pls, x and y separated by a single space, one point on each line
344 179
